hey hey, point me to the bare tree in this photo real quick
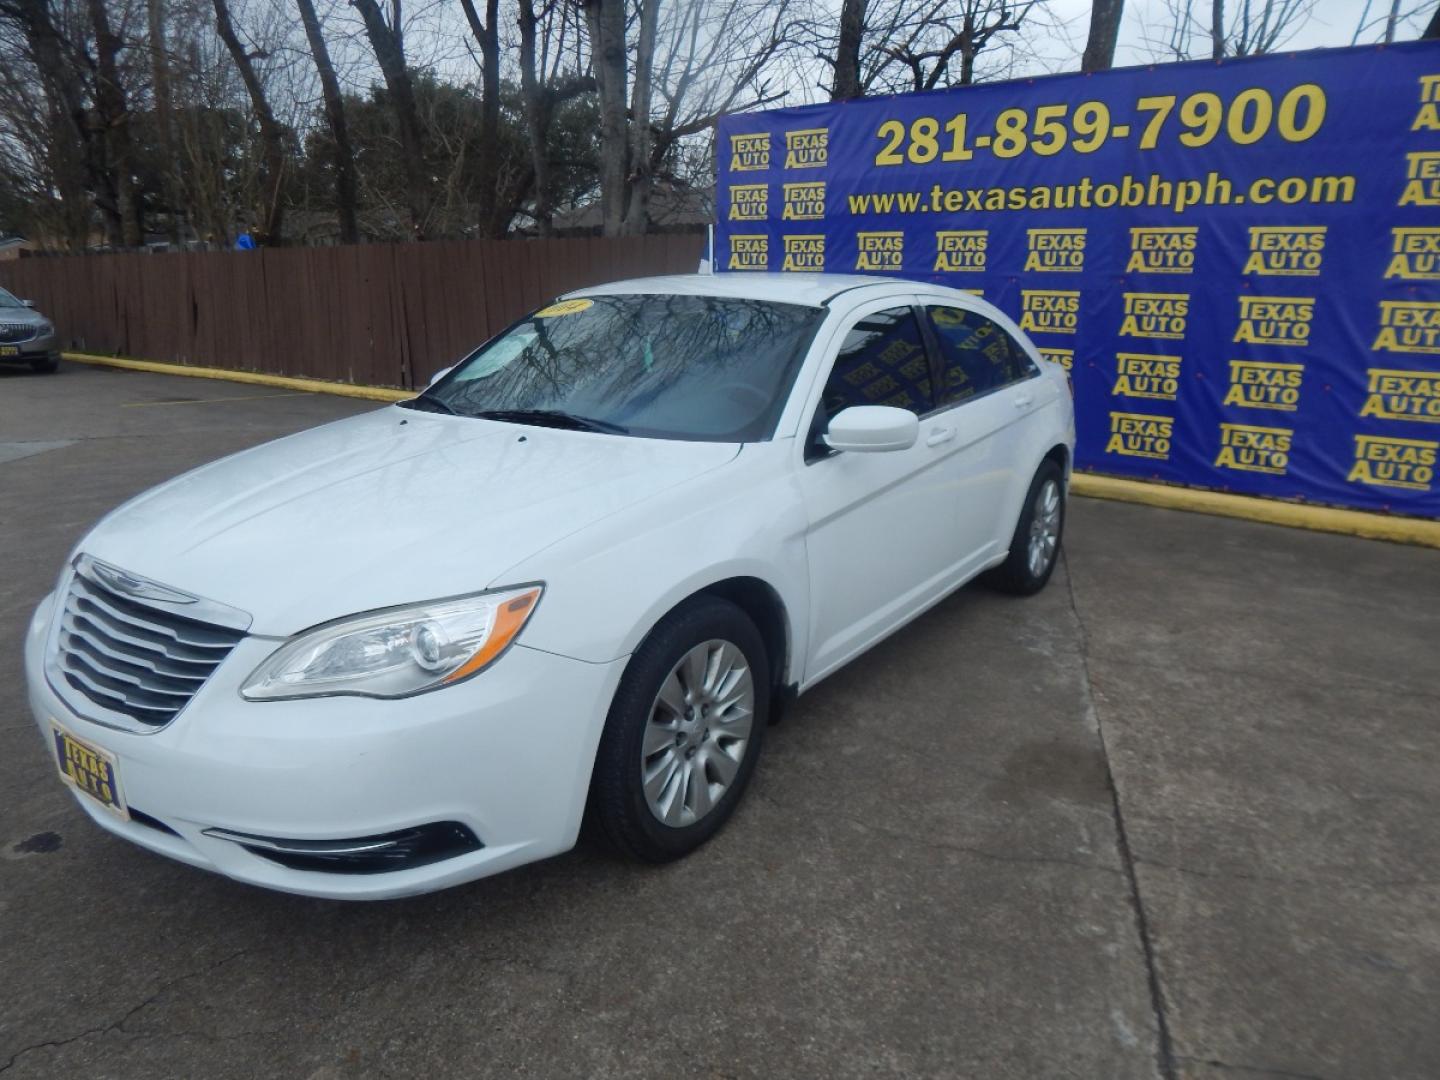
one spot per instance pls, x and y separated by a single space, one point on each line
487 36
845 83
272 138
694 63
1258 27
606 22
553 71
387 39
50 145
639 152
209 124
113 115
1399 18
891 46
949 30
536 113
164 120
345 196
1391 20
1104 33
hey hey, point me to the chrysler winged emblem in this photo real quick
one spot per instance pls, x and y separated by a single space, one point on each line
128 584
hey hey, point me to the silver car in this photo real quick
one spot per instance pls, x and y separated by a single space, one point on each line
26 336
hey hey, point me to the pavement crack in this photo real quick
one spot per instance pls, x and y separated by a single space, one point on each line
1317 883
1164 1050
918 840
207 1036
129 1014
1351 682
48 1044
1253 1070
921 840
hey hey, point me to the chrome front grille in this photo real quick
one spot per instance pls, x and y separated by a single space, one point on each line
138 663
12 332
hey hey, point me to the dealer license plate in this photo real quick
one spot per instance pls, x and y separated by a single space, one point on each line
9 350
89 770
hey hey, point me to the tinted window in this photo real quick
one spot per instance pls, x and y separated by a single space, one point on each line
976 355
882 361
680 367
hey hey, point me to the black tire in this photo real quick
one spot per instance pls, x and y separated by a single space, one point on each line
1016 575
48 366
618 806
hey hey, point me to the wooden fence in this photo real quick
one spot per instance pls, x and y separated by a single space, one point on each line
379 314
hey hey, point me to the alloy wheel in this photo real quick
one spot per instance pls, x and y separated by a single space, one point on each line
1044 528
697 732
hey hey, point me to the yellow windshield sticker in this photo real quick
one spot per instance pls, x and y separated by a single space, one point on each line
564 307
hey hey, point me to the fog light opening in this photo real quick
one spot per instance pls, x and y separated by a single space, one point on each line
405 849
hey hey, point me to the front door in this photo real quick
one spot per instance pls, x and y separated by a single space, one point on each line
881 525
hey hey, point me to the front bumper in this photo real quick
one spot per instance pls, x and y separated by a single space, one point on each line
28 352
507 754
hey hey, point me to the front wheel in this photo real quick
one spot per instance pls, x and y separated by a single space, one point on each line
684 732
45 366
1035 547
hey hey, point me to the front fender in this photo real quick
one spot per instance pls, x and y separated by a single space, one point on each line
609 584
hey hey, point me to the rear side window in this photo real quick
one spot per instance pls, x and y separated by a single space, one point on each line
976 354
882 361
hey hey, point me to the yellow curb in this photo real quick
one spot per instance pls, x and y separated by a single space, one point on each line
311 386
1400 530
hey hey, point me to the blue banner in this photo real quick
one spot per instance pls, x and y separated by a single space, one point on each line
1239 262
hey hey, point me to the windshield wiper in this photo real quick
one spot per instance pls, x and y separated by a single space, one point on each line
552 418
427 404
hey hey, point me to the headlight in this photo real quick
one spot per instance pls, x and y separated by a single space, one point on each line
398 652
45 329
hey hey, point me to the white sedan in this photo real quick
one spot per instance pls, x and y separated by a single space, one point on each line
584 568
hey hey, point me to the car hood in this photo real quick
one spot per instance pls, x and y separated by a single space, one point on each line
392 507
22 315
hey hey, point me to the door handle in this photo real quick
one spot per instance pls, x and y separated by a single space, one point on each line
1023 401
939 435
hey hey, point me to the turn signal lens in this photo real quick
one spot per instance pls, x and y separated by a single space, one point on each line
509 619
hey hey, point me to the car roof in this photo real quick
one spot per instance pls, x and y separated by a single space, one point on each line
811 289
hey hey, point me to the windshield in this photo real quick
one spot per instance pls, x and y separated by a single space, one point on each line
713 368
7 300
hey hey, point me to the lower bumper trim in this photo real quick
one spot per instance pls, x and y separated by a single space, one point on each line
386 853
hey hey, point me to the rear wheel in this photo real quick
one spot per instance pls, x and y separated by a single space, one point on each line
684 732
1035 547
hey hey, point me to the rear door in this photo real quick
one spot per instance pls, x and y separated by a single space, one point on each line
989 390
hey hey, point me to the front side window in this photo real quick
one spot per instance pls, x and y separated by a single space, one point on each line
882 361
707 368
976 354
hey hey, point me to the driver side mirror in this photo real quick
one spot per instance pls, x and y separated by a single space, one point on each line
439 375
872 429
28 303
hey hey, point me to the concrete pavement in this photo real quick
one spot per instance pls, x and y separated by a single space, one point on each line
1173 817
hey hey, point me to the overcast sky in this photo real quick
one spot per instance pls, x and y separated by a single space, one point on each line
1333 23
1054 37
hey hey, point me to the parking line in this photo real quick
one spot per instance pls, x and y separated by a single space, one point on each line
209 401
